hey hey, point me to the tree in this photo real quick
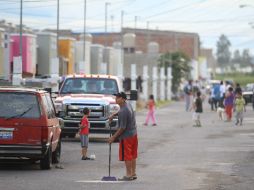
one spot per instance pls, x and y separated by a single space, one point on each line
223 51
237 57
179 63
246 58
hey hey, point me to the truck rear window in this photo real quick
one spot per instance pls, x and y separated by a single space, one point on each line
19 105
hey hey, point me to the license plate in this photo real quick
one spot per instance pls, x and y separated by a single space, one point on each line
6 135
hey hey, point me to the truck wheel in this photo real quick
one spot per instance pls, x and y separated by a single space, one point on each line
46 162
57 154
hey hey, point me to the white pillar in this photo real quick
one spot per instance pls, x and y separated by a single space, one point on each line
133 77
155 79
120 65
169 83
133 83
54 67
145 82
54 73
17 71
162 83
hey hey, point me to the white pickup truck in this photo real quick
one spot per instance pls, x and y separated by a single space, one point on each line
94 92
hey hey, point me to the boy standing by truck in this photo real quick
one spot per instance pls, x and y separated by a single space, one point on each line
84 132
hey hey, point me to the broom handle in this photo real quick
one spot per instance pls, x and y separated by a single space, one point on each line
109 158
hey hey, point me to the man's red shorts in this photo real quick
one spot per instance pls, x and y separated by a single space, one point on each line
128 148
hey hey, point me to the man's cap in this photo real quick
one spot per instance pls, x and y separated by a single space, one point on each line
121 94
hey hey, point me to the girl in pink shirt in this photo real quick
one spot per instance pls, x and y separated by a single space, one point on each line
151 108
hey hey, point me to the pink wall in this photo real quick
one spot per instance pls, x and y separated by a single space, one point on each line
28 65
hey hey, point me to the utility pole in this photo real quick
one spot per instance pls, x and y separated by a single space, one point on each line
112 23
147 35
84 50
20 30
106 41
122 15
135 25
57 31
17 61
106 22
122 45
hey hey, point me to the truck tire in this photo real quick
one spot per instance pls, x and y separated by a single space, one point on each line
56 155
46 162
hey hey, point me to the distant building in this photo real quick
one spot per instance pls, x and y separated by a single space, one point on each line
13 28
169 41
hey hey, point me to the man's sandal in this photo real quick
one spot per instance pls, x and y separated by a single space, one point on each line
126 178
134 176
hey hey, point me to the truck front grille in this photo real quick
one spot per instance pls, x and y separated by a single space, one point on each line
75 110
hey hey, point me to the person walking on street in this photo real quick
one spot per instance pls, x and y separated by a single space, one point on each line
222 92
215 95
188 93
239 108
84 132
238 89
229 102
151 109
253 99
127 135
198 109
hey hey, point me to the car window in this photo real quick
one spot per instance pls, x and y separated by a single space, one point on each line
48 106
15 103
51 105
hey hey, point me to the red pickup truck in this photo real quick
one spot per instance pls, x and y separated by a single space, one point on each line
29 127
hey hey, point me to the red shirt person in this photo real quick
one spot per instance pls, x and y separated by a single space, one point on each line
84 132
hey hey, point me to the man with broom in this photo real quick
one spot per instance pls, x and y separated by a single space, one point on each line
127 135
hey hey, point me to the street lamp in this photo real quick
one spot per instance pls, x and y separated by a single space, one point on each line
245 5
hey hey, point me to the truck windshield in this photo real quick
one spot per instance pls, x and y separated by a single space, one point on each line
89 86
19 105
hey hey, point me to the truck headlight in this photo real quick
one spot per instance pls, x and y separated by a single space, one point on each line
114 108
59 107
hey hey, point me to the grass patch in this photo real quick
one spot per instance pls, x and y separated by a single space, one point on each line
141 105
161 103
241 78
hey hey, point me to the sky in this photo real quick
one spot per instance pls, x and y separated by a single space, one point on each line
208 18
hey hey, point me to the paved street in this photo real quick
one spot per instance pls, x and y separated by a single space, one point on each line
173 155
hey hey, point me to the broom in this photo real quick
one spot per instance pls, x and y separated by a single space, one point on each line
109 177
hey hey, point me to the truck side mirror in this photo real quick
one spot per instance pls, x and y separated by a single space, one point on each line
133 95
